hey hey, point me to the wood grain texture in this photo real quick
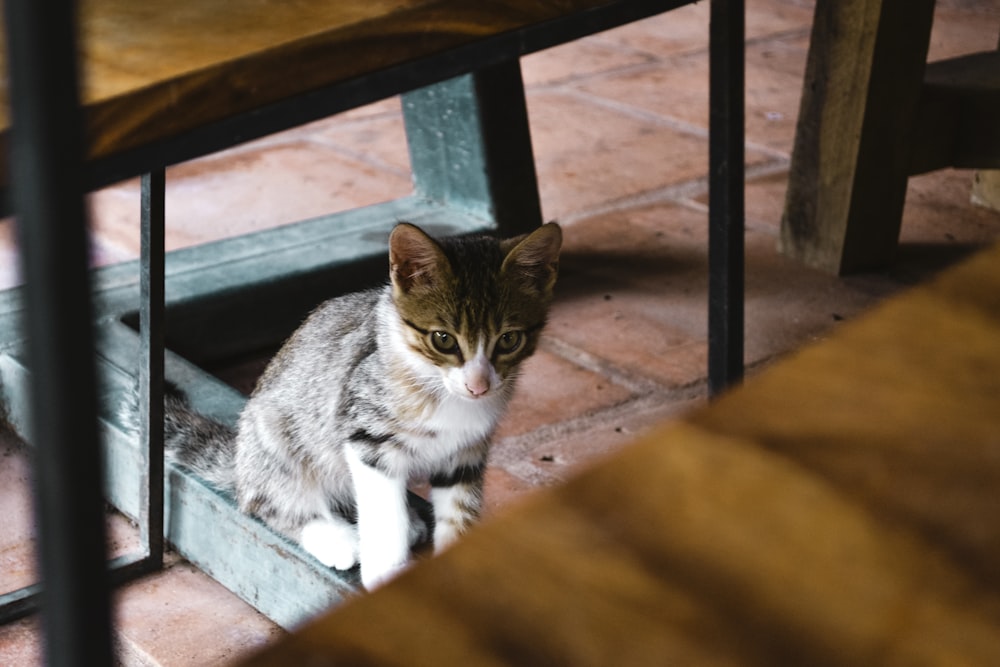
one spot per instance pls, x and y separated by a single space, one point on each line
847 179
840 508
155 69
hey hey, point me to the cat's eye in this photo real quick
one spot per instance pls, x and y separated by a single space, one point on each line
444 342
509 341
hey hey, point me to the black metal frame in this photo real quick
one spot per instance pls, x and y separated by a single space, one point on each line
51 224
151 330
725 209
48 180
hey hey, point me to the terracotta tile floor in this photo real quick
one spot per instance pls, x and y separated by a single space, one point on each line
619 127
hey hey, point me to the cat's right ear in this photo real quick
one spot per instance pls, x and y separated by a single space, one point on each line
415 259
534 260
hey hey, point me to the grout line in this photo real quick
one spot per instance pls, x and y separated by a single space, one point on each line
622 413
683 193
361 157
781 36
675 193
663 120
516 447
583 359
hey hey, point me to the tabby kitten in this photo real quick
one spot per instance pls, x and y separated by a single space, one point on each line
378 388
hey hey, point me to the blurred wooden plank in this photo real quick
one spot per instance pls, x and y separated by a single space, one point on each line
840 508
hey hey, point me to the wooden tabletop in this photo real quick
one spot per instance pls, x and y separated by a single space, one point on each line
843 507
155 69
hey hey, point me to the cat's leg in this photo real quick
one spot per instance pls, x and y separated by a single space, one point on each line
419 529
277 484
383 518
457 497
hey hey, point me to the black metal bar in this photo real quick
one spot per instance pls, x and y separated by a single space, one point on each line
151 323
47 183
725 238
20 603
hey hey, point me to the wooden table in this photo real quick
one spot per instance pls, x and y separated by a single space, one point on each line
843 507
169 81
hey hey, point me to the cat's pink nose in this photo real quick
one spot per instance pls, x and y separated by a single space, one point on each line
477 387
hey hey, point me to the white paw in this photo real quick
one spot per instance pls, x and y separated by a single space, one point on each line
334 544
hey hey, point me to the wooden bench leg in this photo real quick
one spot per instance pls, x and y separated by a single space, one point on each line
848 172
726 197
470 147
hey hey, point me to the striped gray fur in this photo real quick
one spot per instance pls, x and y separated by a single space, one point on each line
379 388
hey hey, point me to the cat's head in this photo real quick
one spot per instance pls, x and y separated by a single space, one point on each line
473 307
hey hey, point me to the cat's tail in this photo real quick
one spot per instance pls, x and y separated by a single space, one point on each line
203 445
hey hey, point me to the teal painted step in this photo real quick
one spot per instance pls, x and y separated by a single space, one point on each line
222 299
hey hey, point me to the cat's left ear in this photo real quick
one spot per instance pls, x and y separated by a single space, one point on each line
535 258
415 259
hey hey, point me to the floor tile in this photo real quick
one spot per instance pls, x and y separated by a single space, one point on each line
501 488
678 90
551 385
20 643
653 258
764 201
587 154
17 533
520 465
244 190
625 330
963 26
17 544
185 619
938 210
649 266
378 140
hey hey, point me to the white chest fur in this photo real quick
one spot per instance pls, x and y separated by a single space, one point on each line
454 424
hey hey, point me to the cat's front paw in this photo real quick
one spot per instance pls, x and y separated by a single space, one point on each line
332 543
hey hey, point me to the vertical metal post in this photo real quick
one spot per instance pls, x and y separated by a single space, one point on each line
725 237
151 312
48 199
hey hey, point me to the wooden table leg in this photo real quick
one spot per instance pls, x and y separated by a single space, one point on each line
848 172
